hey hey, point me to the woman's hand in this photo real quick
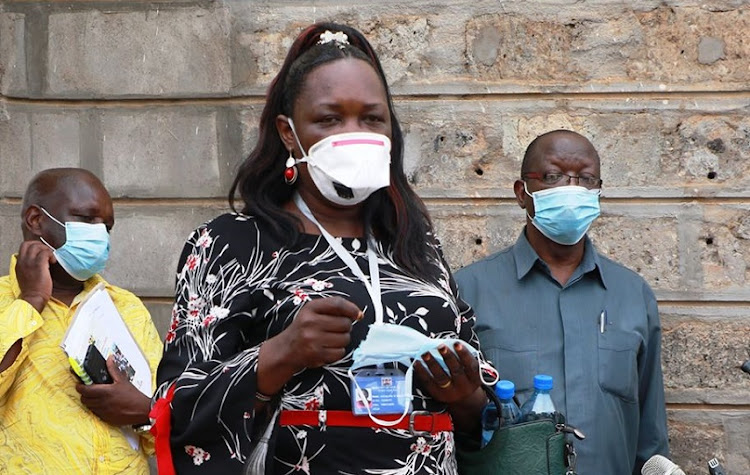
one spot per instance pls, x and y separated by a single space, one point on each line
461 389
318 335
320 332
462 381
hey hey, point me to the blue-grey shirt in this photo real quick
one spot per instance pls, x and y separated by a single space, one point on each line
608 384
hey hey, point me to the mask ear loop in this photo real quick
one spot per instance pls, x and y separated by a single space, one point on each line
299 144
53 219
50 216
485 368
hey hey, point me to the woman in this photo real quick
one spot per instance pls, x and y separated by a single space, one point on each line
270 306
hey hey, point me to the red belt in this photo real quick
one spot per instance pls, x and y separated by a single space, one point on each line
418 422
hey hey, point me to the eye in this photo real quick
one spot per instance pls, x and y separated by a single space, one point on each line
375 118
589 181
552 178
328 120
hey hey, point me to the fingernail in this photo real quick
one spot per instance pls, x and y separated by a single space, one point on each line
458 346
360 315
443 349
427 356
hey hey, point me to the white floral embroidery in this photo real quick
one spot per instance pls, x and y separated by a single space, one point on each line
205 240
318 285
199 455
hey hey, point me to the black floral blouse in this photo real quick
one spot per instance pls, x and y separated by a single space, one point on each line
238 286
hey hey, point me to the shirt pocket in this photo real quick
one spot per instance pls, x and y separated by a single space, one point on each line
513 360
618 363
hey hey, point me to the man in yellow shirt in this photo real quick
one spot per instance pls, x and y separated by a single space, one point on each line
49 421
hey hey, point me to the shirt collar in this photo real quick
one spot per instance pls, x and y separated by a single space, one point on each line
87 286
525 257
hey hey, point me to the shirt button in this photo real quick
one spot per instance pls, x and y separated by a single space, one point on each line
101 458
33 323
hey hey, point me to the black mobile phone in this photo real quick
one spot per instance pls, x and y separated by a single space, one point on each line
95 366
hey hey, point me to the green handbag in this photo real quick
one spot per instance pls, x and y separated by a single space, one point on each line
529 448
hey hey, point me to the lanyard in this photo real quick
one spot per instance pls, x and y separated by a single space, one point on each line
373 283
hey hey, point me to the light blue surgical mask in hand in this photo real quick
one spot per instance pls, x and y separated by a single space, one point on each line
564 214
86 248
389 343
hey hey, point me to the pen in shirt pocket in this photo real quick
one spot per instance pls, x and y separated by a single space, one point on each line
603 321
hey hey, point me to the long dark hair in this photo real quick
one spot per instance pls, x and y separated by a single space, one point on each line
396 215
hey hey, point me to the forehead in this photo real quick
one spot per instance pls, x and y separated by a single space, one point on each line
564 150
342 80
84 195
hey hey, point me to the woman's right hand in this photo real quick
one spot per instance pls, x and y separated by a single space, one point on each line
318 335
320 332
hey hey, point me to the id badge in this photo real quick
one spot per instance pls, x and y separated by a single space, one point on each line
383 391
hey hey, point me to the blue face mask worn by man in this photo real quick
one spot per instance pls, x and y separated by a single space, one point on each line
388 343
86 248
564 214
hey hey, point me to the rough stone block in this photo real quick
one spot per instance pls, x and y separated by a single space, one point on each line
171 51
178 147
470 233
147 242
12 53
725 248
697 436
673 45
650 247
648 148
684 45
10 234
248 122
711 148
35 139
455 148
401 34
701 355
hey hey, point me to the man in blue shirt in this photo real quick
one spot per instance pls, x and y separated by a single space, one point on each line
551 304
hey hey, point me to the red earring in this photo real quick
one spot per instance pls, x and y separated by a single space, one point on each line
290 173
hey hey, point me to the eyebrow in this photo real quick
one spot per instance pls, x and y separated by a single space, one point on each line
336 105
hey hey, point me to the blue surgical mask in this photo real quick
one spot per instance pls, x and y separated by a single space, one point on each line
389 343
564 214
86 248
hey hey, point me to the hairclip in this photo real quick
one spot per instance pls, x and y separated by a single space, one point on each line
339 38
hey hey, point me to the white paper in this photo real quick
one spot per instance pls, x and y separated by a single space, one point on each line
98 321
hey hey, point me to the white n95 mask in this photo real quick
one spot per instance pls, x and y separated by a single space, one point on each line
347 168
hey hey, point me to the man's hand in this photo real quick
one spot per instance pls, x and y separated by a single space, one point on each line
33 274
119 403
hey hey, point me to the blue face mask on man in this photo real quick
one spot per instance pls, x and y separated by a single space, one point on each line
564 214
86 248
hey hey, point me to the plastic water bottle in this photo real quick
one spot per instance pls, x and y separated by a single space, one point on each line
508 414
540 404
509 411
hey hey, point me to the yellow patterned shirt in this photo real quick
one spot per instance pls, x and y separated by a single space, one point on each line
44 427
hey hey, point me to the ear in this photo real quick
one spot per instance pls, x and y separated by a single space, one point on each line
286 134
32 220
520 193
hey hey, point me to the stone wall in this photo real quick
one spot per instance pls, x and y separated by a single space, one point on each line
161 99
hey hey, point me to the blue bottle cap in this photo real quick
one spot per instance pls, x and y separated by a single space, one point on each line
505 389
542 381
